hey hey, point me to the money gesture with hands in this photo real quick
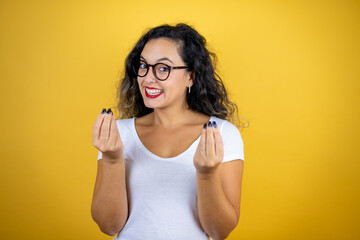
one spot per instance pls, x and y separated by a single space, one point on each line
106 137
209 153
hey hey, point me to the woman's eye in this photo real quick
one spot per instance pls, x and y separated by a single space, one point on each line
163 69
143 66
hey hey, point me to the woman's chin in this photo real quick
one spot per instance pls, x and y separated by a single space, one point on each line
150 104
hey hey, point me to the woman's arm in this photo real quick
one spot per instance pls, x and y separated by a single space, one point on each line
218 185
218 199
109 207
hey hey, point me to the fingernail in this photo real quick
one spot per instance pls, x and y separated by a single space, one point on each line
103 111
205 125
209 124
214 124
109 111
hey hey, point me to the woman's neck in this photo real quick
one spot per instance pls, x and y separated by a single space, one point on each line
172 117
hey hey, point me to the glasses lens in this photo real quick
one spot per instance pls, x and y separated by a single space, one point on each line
162 71
142 70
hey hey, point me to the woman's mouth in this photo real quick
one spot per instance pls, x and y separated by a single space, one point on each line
153 92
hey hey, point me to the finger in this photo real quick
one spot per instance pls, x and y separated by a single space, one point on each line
105 128
202 146
210 148
97 127
118 141
219 150
113 130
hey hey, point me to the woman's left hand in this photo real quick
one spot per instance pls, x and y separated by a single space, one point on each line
209 153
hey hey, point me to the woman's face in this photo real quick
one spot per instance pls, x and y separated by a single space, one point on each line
172 91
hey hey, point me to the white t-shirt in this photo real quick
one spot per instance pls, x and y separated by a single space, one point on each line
162 191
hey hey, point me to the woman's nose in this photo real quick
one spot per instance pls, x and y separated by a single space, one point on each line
150 77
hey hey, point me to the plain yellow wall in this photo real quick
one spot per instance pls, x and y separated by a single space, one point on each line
293 68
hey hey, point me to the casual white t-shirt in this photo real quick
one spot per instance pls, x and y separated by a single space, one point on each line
162 191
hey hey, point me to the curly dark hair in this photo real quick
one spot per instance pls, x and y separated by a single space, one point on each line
208 94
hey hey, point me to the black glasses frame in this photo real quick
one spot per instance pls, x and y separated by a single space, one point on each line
135 67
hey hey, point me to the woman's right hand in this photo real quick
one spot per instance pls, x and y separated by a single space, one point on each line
106 137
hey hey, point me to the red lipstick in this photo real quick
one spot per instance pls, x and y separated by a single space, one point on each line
152 95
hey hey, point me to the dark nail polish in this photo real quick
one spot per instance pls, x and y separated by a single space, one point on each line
103 111
209 124
109 111
205 125
214 124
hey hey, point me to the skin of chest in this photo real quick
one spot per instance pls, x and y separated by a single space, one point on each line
167 143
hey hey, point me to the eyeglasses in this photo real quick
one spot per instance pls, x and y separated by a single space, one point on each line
160 70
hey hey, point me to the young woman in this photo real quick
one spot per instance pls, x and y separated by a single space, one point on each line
171 166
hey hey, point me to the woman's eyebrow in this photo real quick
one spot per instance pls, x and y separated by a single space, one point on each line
165 58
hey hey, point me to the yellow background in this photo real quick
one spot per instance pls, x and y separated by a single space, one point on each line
291 66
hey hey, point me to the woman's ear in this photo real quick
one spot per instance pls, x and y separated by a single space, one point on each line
192 78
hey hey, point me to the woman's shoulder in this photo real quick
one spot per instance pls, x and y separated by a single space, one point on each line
231 137
223 123
124 124
124 121
125 128
143 120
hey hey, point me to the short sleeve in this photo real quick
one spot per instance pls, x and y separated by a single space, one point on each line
232 142
99 156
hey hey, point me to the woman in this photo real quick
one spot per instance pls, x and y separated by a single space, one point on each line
166 168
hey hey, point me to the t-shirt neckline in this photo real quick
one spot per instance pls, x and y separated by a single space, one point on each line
154 156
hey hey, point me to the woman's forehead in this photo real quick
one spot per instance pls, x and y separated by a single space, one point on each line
156 49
